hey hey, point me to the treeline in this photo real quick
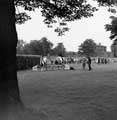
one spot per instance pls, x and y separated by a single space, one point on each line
40 47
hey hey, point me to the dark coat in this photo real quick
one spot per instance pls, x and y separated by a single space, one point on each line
88 60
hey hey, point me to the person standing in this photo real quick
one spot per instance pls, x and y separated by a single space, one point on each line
89 62
84 60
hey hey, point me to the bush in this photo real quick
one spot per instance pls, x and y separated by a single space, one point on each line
25 62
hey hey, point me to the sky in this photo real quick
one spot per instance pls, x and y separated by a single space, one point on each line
80 30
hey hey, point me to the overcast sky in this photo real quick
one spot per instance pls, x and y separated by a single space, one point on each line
80 30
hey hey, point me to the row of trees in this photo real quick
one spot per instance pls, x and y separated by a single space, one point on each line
44 47
40 47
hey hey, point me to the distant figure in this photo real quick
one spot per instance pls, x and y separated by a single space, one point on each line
84 60
89 63
99 60
105 61
42 63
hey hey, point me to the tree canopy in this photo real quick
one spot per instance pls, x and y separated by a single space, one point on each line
55 11
40 47
107 2
87 48
35 47
112 27
60 11
59 50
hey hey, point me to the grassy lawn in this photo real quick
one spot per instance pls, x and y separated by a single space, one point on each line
71 95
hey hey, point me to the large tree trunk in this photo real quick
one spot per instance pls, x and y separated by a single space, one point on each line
9 91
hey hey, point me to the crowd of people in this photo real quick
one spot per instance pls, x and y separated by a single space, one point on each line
60 60
56 62
102 60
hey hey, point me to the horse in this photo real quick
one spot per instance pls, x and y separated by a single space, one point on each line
44 62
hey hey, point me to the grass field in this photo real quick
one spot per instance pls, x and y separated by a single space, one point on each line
71 95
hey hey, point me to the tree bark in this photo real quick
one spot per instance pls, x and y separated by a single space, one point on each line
9 90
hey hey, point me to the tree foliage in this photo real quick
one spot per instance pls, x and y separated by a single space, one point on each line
45 46
36 47
40 47
20 46
55 11
87 48
106 2
59 49
112 27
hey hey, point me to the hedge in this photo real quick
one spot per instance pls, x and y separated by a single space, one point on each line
25 62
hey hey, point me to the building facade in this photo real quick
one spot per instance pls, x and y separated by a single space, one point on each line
114 48
101 50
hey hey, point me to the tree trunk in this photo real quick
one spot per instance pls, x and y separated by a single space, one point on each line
9 90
